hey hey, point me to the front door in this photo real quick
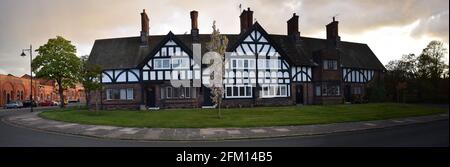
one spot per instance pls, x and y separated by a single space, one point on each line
151 96
299 94
347 93
207 101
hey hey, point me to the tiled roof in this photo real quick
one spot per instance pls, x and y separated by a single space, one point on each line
127 52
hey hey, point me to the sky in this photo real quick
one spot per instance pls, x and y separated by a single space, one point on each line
391 28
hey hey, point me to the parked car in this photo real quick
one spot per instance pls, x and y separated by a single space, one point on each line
74 101
14 104
27 103
55 103
45 103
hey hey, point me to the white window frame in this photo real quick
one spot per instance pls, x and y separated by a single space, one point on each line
232 87
183 63
124 94
130 94
162 65
274 90
239 63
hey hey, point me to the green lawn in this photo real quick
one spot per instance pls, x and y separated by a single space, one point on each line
245 117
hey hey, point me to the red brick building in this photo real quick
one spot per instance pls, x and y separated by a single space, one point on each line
18 88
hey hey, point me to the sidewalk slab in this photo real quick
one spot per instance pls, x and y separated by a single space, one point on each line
33 121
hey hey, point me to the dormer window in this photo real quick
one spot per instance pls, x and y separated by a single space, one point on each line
330 64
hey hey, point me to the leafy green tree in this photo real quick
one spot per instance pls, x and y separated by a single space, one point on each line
56 60
89 77
431 63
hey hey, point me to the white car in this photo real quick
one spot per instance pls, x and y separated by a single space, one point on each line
55 103
14 104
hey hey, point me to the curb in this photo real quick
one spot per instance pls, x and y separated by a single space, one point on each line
33 121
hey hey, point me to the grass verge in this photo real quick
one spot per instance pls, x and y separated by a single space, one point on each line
244 117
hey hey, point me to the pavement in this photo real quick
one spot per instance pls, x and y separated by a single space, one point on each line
33 121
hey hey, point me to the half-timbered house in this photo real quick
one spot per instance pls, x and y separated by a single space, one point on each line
260 69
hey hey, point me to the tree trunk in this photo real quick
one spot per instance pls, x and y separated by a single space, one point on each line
61 94
88 98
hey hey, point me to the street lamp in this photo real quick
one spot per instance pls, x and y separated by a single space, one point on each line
31 74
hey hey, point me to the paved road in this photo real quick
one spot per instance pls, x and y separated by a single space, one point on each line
427 134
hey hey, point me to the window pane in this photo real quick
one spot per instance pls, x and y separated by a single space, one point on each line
235 91
187 93
234 63
157 64
108 94
245 63
229 91
317 90
248 90
241 91
130 94
123 94
283 90
169 92
176 92
163 93
265 91
166 63
240 65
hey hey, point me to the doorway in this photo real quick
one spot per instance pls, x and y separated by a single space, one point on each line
299 94
207 101
151 96
347 93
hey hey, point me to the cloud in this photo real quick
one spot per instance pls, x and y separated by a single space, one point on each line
435 26
25 22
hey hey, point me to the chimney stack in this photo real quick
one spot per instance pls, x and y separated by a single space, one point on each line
333 37
144 28
246 20
292 27
194 26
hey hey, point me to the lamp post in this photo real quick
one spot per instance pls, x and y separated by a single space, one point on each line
31 74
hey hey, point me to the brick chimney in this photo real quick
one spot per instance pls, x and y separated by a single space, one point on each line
246 20
292 27
144 28
194 25
333 37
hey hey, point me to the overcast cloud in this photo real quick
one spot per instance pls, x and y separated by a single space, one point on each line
25 22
